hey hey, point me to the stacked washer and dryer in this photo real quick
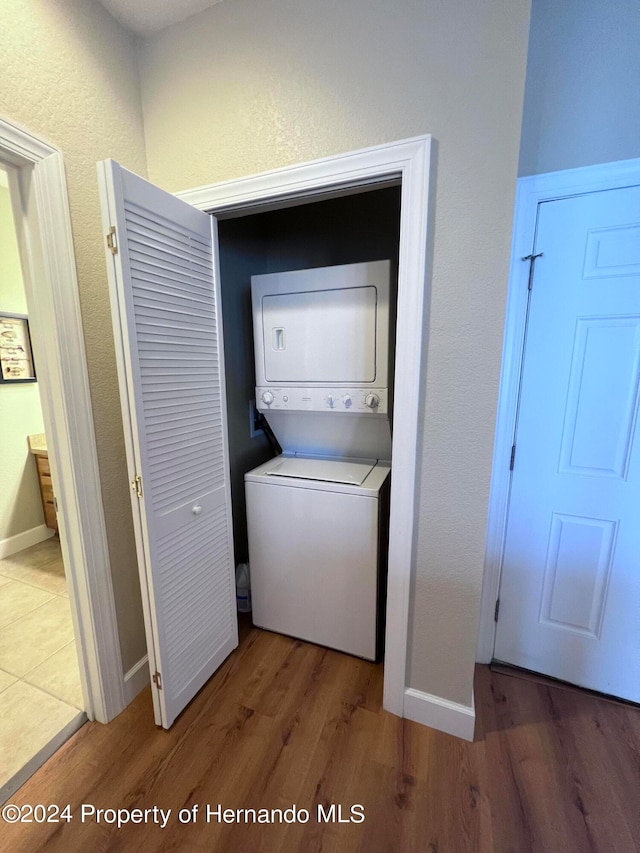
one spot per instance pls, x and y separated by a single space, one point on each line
317 514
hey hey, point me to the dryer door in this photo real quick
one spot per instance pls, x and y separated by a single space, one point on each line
322 326
165 299
327 336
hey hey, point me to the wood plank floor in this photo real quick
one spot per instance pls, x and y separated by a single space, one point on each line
284 723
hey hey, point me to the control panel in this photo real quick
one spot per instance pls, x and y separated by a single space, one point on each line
373 401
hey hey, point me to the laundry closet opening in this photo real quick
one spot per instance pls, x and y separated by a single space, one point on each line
355 228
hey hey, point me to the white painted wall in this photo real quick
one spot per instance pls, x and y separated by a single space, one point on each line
583 77
247 86
20 411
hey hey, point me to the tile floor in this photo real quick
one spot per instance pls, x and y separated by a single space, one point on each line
40 692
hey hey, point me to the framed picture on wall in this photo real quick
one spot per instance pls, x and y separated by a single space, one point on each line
16 357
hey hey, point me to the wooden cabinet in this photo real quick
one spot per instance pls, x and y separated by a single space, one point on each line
46 492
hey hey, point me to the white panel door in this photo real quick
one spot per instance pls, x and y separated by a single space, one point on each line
165 306
570 588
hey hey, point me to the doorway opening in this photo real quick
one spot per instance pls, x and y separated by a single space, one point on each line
349 229
412 164
41 699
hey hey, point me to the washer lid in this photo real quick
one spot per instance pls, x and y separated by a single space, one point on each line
328 470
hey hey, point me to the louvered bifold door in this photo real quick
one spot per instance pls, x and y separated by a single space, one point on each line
165 306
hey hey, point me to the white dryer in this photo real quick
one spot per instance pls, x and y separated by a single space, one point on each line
317 544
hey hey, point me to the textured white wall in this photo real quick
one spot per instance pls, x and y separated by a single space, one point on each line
20 412
68 73
248 86
583 77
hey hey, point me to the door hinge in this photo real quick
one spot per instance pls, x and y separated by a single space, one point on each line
136 485
112 240
55 503
513 457
157 680
532 263
497 610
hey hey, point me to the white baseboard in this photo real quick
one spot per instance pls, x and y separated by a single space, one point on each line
437 713
24 540
136 679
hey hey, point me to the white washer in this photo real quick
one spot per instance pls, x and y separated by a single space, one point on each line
316 544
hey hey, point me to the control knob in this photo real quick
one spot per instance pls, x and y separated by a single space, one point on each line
330 400
347 401
372 401
267 398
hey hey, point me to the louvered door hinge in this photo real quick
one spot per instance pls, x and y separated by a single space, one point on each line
112 240
497 610
513 457
136 485
157 680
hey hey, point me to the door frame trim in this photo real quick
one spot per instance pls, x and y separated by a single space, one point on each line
531 191
43 224
413 162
